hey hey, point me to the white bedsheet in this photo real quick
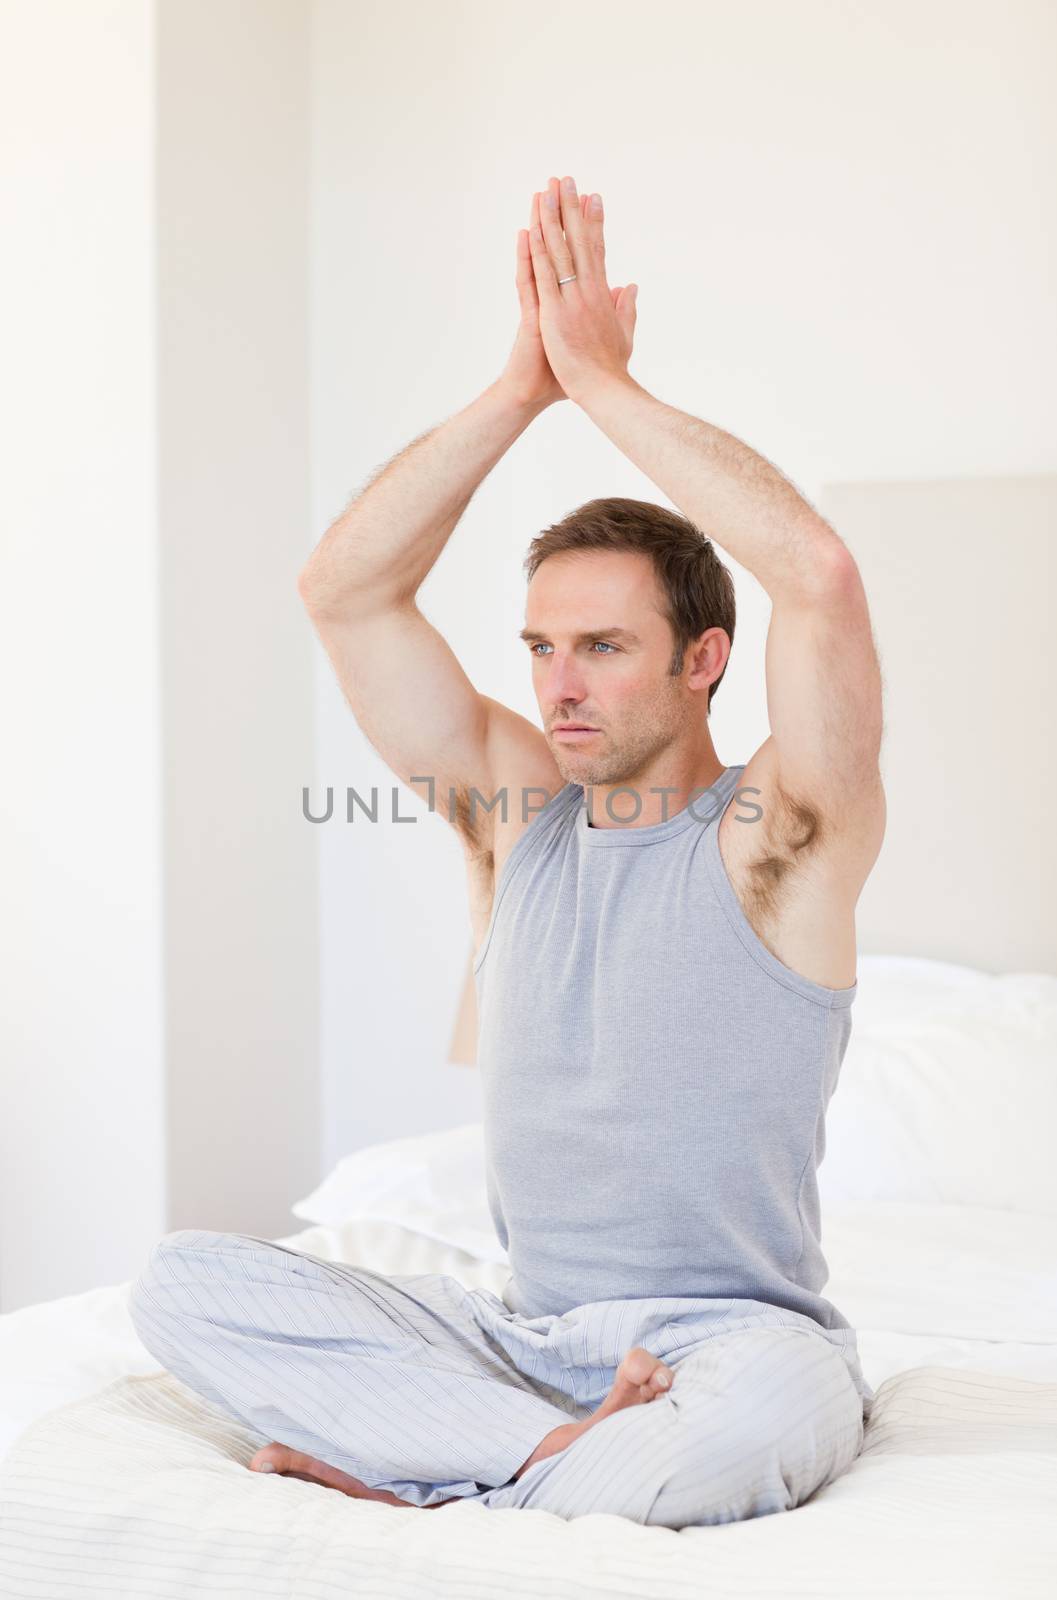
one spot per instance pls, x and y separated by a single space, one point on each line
116 1479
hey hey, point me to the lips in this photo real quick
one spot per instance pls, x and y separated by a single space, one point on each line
573 727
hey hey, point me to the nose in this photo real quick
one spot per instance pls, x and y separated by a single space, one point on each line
565 684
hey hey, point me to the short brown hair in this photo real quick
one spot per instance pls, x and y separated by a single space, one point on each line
698 588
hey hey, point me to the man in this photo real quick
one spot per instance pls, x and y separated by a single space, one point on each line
665 966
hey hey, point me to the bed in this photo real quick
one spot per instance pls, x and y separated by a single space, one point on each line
940 1229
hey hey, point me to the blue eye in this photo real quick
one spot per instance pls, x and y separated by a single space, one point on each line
611 648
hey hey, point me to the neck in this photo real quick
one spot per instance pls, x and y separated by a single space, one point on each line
654 794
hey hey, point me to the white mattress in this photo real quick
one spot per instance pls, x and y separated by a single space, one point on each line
116 1479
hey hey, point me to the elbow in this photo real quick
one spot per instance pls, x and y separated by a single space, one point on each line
309 588
834 575
322 599
838 569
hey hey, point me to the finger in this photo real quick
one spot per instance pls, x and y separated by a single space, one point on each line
534 217
627 311
536 244
547 290
557 248
526 278
594 237
575 231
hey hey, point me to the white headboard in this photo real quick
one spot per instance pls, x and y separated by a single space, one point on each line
960 575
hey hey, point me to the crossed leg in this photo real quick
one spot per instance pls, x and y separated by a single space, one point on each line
388 1381
640 1378
391 1388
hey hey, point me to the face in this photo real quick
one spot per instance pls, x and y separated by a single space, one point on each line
600 648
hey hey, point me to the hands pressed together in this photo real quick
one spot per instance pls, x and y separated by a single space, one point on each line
571 334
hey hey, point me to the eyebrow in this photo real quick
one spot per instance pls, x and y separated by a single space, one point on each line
582 638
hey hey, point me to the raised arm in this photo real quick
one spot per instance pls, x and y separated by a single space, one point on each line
824 687
403 682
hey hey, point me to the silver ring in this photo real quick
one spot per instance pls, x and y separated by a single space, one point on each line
569 279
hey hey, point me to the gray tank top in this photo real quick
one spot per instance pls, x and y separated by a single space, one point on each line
654 1079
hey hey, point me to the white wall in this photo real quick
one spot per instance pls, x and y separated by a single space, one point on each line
961 576
841 221
82 1136
159 997
241 910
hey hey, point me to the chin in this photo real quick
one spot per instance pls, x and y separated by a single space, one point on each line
580 772
571 770
580 766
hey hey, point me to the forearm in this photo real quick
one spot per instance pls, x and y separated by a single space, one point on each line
728 491
380 549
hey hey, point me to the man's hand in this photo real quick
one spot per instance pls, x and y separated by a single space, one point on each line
587 329
528 374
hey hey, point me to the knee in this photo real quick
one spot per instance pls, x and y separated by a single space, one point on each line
177 1248
723 1467
751 1449
160 1292
772 1384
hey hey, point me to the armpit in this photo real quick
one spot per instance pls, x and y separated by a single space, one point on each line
794 832
466 811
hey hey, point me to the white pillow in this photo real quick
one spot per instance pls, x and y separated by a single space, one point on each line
948 1091
433 1184
965 1272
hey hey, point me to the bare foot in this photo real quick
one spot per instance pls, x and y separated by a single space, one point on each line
295 1464
640 1378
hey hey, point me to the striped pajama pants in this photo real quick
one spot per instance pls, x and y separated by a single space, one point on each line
418 1385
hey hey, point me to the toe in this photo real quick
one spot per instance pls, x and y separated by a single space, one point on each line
644 1373
639 1367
